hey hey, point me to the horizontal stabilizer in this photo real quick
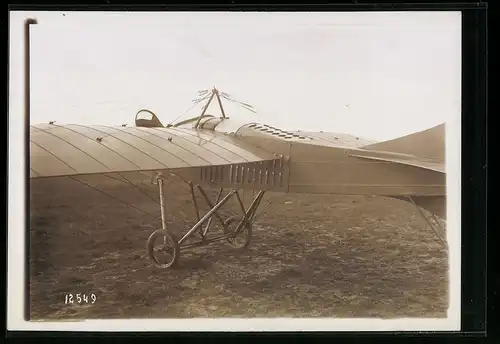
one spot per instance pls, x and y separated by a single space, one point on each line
398 158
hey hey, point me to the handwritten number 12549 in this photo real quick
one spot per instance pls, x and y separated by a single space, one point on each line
80 298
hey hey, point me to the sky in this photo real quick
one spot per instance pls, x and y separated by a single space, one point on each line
374 75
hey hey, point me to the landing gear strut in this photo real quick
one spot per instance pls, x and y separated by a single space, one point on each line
237 230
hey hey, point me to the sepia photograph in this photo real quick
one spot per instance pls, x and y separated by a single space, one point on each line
234 171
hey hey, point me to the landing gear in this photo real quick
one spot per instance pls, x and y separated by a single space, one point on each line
237 231
241 239
169 249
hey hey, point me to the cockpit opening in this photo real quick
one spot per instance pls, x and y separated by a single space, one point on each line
146 118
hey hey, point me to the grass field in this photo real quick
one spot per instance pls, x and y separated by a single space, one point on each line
311 255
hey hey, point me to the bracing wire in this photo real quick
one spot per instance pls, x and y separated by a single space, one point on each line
127 181
113 197
195 102
244 105
225 212
205 94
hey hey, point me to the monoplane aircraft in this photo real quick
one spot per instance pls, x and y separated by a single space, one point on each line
233 155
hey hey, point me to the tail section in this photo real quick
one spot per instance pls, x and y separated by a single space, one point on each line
427 144
428 147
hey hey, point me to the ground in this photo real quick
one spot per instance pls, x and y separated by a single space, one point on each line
311 255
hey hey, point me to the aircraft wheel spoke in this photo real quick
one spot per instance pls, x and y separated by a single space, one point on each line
243 238
163 249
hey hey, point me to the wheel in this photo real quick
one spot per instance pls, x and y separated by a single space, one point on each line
169 245
242 240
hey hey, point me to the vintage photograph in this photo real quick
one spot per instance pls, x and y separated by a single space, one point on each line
198 165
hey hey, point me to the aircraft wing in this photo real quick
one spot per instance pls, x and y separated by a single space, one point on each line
63 150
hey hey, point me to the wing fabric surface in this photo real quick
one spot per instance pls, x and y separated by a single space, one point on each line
57 150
